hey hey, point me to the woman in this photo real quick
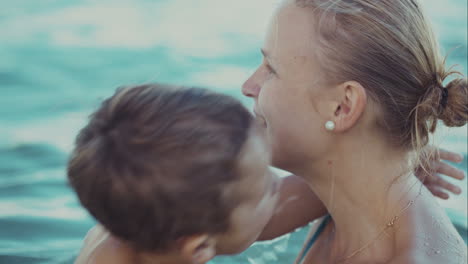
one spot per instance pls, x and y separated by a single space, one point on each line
364 78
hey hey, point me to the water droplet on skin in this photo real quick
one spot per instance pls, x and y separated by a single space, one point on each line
437 252
426 244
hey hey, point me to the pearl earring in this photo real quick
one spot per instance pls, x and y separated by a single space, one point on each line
330 125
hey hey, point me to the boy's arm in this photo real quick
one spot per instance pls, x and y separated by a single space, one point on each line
438 166
297 206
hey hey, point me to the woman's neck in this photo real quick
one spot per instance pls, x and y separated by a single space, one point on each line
364 186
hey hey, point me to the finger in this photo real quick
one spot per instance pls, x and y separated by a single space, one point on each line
450 156
438 193
449 170
445 185
427 178
428 175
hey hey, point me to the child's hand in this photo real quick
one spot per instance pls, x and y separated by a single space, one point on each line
438 169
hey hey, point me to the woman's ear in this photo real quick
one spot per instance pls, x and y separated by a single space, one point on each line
351 106
198 249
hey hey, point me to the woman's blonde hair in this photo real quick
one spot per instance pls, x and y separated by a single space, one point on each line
389 47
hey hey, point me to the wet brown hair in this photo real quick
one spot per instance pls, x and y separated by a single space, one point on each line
154 162
388 46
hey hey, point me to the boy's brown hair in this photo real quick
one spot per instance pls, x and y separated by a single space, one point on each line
154 160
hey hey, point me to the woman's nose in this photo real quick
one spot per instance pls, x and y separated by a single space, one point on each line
251 88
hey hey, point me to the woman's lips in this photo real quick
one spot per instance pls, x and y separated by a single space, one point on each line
259 118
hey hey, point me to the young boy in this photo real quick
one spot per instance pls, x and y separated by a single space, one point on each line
172 175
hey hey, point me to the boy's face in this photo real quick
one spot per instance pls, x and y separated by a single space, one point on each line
258 187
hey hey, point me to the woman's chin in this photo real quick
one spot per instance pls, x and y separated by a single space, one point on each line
261 121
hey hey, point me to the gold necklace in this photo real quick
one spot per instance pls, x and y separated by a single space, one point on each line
387 226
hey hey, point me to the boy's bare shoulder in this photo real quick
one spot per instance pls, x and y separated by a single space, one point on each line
110 255
91 242
100 248
95 235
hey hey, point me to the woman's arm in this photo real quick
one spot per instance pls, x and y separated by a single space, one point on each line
297 206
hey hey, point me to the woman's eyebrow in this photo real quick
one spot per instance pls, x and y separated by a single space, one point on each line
265 53
268 58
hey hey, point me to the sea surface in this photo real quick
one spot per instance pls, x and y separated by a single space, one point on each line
59 59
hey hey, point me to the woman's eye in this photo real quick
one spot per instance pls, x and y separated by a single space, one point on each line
270 69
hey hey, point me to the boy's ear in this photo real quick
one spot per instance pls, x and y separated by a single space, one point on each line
198 249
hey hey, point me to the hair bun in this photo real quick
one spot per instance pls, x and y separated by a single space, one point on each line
455 113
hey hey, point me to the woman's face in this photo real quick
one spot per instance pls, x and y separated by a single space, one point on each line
285 88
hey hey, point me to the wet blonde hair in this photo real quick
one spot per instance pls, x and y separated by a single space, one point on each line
388 46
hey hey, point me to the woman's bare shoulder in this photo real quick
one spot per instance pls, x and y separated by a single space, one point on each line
420 257
428 236
433 248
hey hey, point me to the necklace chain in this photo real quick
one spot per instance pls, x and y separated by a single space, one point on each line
387 226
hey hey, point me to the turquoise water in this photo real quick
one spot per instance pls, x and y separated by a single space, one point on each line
60 58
